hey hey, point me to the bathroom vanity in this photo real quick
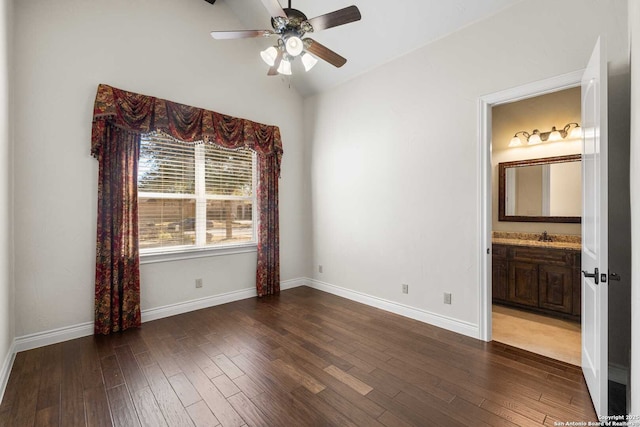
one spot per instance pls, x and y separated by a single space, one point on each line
539 275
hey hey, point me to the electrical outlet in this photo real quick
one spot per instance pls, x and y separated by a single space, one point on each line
447 298
198 283
405 288
319 268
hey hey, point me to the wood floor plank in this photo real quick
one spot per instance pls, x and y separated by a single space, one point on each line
124 413
168 402
301 377
248 386
72 408
201 415
220 407
133 376
227 366
349 380
225 385
303 358
248 410
352 412
184 389
147 408
96 406
111 371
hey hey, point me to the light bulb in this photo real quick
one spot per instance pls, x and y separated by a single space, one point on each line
515 142
285 67
308 61
294 46
269 55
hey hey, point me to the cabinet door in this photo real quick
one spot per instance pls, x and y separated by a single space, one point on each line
523 283
556 288
499 279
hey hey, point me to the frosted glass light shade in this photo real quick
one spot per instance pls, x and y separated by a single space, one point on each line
285 67
515 142
555 135
308 61
576 133
269 55
534 139
294 46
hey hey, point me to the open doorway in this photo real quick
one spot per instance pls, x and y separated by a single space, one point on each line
535 226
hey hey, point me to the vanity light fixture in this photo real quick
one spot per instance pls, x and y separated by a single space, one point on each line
571 130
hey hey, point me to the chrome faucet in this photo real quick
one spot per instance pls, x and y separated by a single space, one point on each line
544 237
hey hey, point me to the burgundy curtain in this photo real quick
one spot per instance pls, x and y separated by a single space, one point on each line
117 293
119 117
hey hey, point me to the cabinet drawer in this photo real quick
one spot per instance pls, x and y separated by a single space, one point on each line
541 255
499 251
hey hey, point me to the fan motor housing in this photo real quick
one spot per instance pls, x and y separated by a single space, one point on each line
293 22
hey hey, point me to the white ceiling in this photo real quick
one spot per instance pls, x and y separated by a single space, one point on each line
388 29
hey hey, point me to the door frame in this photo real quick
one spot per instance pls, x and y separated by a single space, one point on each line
485 103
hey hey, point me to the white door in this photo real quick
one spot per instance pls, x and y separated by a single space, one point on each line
594 228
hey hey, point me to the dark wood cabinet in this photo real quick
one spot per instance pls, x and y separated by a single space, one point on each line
537 278
523 283
500 274
556 288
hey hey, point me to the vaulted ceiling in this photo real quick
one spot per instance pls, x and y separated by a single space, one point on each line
388 29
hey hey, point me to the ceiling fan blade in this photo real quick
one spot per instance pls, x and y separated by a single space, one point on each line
273 71
242 34
333 19
274 8
325 53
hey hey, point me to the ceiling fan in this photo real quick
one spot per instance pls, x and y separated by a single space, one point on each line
290 25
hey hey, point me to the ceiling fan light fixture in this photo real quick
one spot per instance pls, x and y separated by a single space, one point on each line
294 45
269 55
308 61
285 67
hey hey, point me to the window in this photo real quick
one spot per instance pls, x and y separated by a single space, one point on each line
194 196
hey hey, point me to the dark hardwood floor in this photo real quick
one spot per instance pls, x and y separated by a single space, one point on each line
304 358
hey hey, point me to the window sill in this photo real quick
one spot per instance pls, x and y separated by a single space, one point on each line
167 256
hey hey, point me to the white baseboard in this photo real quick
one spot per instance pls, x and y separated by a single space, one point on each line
618 373
53 336
196 304
6 369
464 328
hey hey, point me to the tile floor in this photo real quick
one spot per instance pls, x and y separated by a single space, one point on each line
555 338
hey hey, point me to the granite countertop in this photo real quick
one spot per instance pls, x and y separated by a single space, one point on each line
558 241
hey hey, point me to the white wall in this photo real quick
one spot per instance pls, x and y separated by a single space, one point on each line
634 30
63 50
6 285
394 152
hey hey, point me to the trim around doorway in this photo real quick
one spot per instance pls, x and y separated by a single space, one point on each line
485 103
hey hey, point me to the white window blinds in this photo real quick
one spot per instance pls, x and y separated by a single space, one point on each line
194 196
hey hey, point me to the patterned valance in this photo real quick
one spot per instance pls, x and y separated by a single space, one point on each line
137 113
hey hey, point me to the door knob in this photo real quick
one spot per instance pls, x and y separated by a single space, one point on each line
595 275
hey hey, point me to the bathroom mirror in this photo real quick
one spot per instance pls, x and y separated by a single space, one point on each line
541 190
